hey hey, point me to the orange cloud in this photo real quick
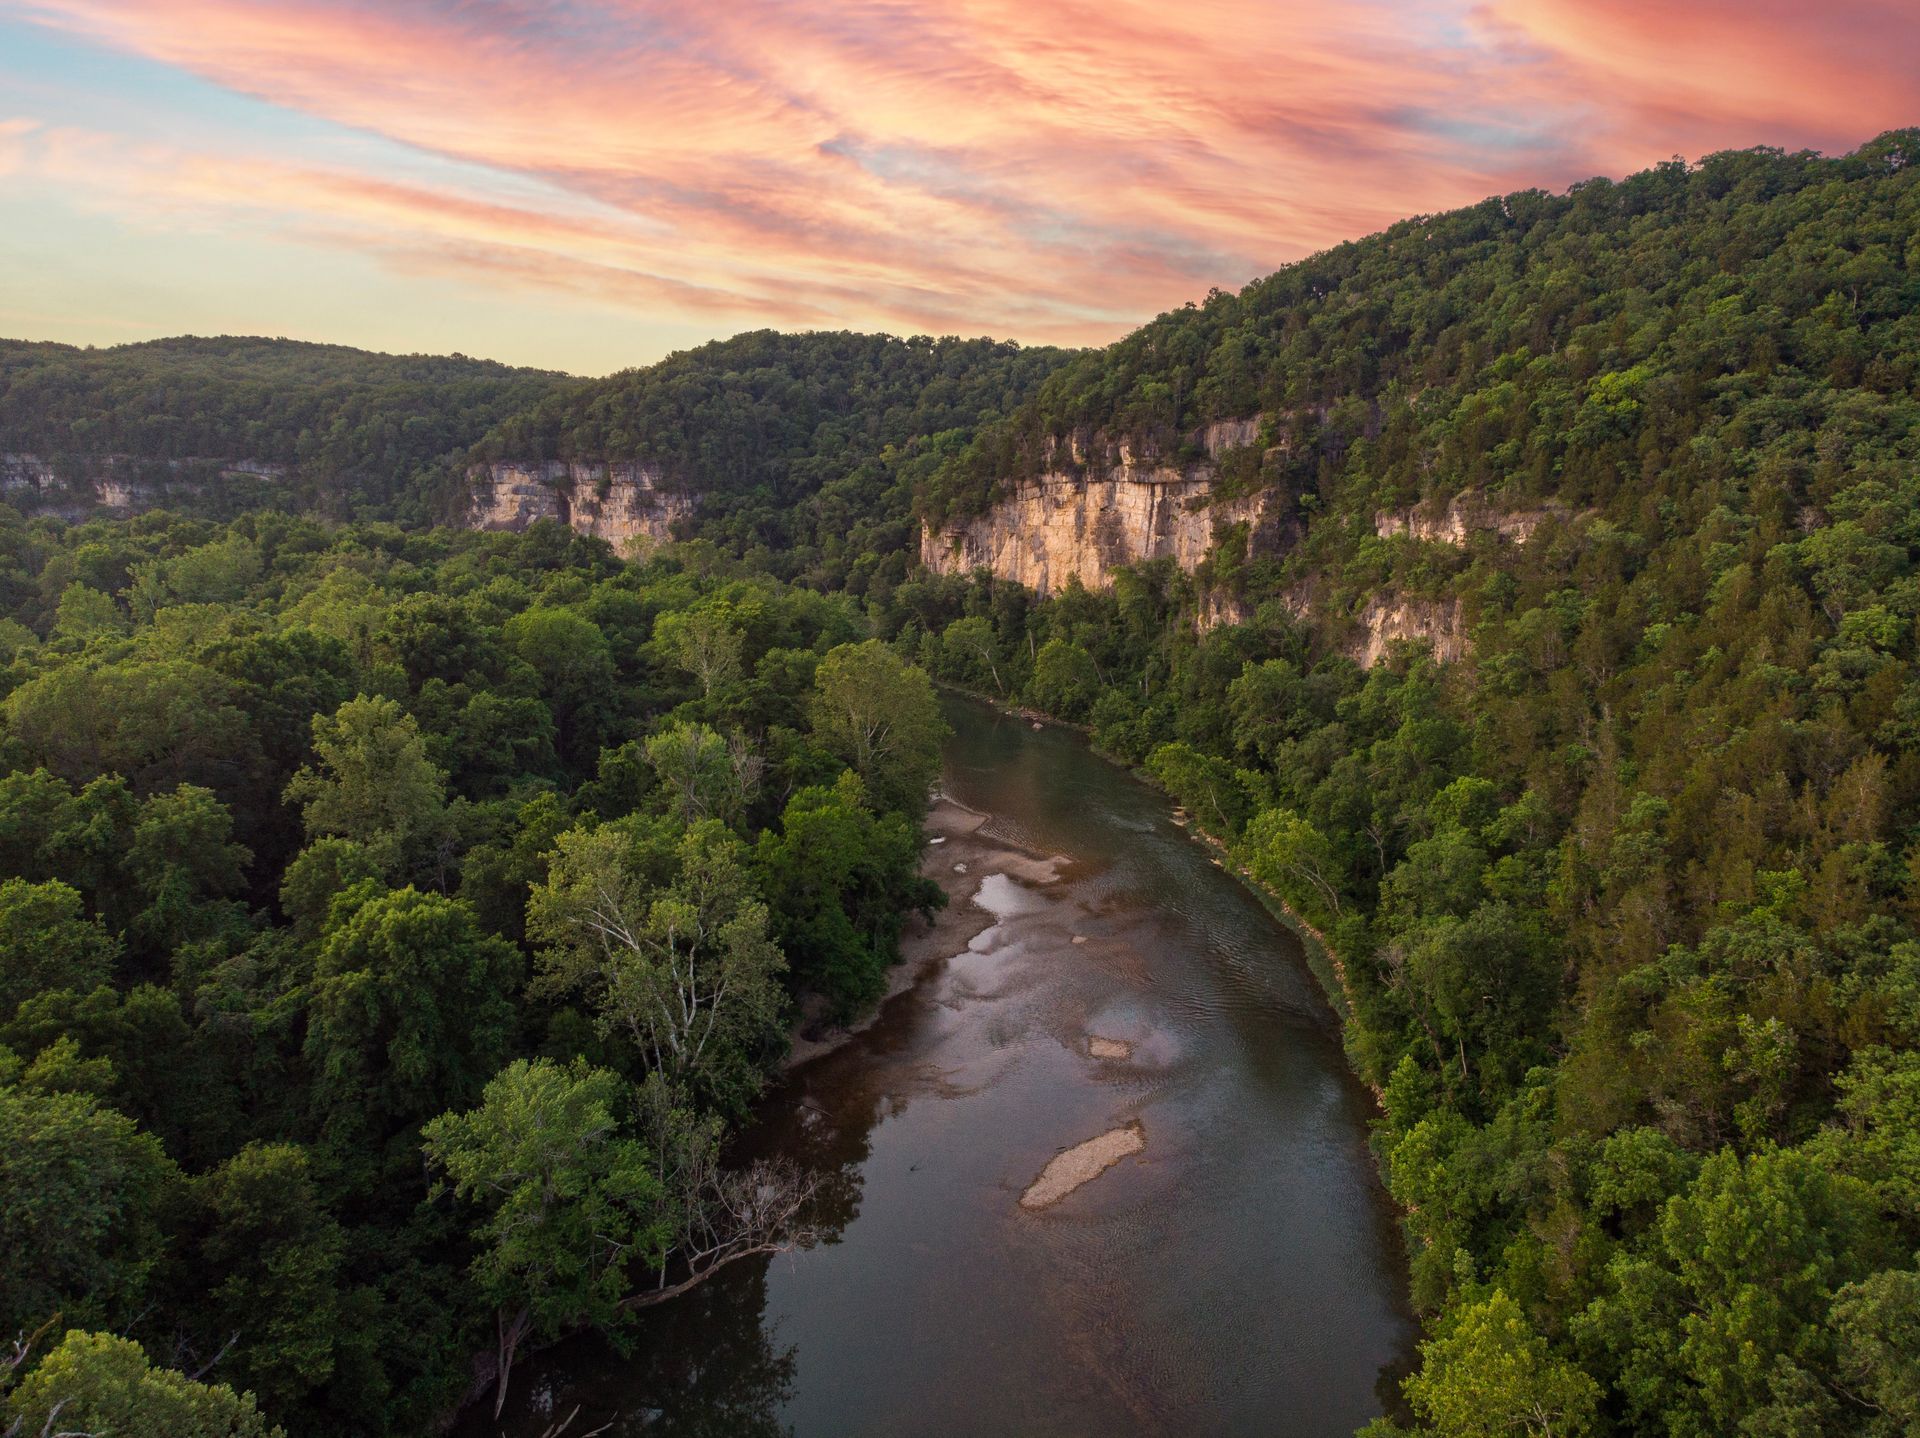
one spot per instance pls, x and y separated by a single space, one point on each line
1056 168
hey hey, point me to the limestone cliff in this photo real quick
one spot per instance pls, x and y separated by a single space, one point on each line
1366 634
622 502
1073 521
79 486
1068 522
1387 619
1461 517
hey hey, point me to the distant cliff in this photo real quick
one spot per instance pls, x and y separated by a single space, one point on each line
622 502
75 487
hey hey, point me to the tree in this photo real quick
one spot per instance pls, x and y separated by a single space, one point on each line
973 651
1268 707
1877 1332
841 881
1294 859
47 942
156 723
879 714
569 1203
94 1383
1207 786
80 1191
184 860
412 1008
85 613
1490 1375
576 670
680 965
1065 679
705 642
375 784
705 776
1726 1309
275 1257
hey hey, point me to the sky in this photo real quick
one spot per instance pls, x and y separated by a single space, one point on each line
591 184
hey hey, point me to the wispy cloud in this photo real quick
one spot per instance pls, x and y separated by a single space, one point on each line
1052 168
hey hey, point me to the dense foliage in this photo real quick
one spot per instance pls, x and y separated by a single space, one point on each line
355 431
327 852
391 926
805 450
1625 900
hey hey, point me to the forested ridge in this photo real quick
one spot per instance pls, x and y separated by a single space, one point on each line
1625 899
340 860
360 432
806 451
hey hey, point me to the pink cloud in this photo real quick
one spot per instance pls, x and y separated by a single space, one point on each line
1057 168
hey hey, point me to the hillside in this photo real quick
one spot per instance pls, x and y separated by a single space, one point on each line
328 427
1619 858
805 450
1528 596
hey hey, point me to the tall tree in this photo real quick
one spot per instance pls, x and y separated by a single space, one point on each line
879 714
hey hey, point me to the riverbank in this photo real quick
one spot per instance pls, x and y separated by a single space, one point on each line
957 857
1129 1015
1323 960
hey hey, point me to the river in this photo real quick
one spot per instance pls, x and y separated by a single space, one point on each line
1240 1274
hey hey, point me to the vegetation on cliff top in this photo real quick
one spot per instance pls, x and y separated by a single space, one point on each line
1626 897
311 830
806 450
355 428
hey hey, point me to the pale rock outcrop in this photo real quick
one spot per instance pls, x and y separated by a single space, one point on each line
1462 517
1366 636
76 486
622 502
1387 618
1065 524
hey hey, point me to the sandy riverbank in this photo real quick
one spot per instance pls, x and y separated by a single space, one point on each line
957 857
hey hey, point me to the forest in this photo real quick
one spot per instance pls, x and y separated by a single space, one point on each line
364 435
1624 900
394 924
344 863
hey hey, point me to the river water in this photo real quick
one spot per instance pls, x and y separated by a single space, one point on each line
1239 1275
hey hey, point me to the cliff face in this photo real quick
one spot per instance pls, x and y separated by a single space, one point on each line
79 486
1064 524
1387 619
1462 517
620 502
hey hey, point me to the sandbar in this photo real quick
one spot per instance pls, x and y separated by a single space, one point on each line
1082 1164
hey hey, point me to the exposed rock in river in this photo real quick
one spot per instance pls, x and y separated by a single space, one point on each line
1082 1164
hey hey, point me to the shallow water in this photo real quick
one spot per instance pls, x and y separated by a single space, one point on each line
1240 1275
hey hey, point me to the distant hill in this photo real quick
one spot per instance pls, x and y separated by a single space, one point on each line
1650 331
807 449
351 428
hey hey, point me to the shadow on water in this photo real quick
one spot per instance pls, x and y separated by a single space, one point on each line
1240 1275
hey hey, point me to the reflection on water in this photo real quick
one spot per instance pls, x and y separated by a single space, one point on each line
1240 1275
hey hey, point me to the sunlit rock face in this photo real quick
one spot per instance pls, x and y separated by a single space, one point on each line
622 502
1388 618
1070 522
1081 520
